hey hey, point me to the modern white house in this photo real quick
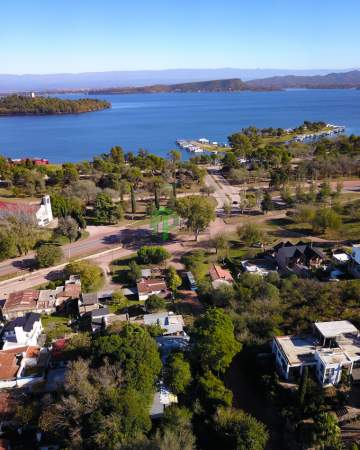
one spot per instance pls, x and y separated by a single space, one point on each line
333 347
354 263
41 214
22 331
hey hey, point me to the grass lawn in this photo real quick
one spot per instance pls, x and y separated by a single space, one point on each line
55 326
212 200
34 371
65 240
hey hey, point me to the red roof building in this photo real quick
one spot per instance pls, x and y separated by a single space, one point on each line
58 358
219 275
20 303
149 287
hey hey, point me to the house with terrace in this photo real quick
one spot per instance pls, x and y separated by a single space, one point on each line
22 331
220 276
297 258
332 348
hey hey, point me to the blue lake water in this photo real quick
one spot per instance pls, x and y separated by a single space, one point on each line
156 121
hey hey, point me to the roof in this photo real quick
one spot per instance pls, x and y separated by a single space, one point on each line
26 322
343 257
332 329
298 349
217 273
151 319
173 328
22 298
151 285
260 266
130 291
89 299
355 373
57 353
146 273
71 290
99 312
9 364
10 399
19 208
296 251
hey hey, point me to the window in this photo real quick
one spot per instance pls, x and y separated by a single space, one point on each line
322 368
326 381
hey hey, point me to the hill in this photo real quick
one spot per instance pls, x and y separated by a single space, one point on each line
20 105
343 80
233 85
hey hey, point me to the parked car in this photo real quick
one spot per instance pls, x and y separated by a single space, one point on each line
311 182
235 203
258 245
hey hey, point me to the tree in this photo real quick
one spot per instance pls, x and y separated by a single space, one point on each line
151 255
103 207
134 273
240 143
7 245
175 156
218 241
118 296
227 207
267 204
304 213
117 155
78 345
207 190
157 201
178 375
117 213
88 272
123 189
303 385
240 431
214 390
197 211
215 343
133 199
23 226
150 208
58 205
67 226
230 161
173 279
325 191
48 255
154 303
328 430
326 218
250 232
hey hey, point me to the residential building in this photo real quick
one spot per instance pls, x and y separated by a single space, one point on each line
18 304
69 292
99 318
22 331
40 214
220 276
287 255
340 259
162 399
145 288
173 324
46 303
58 358
87 302
260 267
333 347
354 263
15 362
302 271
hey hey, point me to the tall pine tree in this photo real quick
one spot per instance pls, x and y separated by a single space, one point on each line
157 201
303 385
267 204
133 201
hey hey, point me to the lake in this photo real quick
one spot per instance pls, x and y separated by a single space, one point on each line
156 121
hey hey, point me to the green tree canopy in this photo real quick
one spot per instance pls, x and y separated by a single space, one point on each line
178 375
154 303
48 255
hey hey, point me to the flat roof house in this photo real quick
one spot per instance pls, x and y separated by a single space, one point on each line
18 304
88 302
146 288
260 267
173 324
22 331
333 347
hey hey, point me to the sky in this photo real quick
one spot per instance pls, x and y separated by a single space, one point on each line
42 36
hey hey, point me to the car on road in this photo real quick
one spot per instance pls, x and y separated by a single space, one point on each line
258 245
235 203
311 182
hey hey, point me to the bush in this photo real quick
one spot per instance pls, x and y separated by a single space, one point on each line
51 285
151 255
154 303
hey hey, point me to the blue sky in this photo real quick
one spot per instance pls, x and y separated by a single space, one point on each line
38 36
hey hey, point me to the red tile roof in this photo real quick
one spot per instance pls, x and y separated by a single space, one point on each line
57 354
151 285
217 273
10 360
19 208
22 298
10 399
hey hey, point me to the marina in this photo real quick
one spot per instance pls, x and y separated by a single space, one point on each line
334 130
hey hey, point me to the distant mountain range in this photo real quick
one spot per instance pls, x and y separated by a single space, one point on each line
93 80
232 85
329 81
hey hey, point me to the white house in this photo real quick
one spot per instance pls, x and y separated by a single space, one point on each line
41 214
22 331
354 264
333 347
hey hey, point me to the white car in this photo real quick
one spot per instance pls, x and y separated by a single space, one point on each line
258 245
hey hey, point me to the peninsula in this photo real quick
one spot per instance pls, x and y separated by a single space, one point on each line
231 85
21 105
